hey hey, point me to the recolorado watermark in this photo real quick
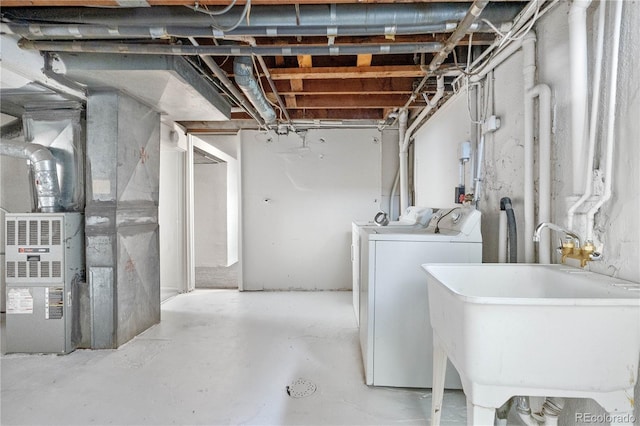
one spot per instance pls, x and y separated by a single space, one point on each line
586 418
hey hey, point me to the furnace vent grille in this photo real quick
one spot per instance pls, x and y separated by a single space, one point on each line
11 232
55 237
44 233
11 269
22 232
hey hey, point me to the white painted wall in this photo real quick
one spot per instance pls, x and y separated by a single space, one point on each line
227 148
436 154
618 224
299 204
210 201
171 211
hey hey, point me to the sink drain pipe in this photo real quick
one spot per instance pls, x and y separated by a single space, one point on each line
508 232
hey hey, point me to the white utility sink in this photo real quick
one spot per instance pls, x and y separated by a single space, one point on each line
536 330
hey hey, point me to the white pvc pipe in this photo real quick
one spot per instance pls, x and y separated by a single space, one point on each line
404 146
502 237
579 88
543 93
502 56
611 119
529 70
404 159
595 105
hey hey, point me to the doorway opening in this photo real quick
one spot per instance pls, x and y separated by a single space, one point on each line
215 212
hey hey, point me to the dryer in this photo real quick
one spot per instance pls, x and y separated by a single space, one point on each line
395 331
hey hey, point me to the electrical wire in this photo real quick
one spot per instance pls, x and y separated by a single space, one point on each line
437 229
245 14
217 12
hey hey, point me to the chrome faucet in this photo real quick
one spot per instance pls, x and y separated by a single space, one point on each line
553 226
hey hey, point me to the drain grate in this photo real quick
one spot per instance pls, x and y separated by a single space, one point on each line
301 388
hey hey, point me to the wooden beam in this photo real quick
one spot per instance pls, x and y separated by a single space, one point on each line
296 85
347 72
305 61
358 86
309 114
364 60
290 101
354 101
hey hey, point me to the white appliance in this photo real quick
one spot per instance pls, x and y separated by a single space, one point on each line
414 217
395 331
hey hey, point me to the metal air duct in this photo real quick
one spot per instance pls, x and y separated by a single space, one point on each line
43 166
270 16
243 70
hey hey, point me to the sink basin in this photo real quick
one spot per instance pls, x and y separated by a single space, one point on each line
537 330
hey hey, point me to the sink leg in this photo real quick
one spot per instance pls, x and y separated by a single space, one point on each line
439 372
480 416
622 418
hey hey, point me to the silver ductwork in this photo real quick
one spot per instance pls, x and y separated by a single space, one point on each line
93 31
272 16
243 71
43 169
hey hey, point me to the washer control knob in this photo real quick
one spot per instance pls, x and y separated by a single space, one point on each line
456 216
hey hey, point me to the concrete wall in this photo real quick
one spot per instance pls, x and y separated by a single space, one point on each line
618 223
299 203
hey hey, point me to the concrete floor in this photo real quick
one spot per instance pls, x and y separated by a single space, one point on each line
219 357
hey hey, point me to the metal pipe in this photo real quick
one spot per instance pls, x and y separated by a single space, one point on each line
472 14
222 76
267 75
474 11
43 166
229 50
421 13
94 31
538 231
243 70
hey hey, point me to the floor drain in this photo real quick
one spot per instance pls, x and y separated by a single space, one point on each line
301 388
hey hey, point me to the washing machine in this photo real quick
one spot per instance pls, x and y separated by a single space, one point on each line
395 331
413 218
